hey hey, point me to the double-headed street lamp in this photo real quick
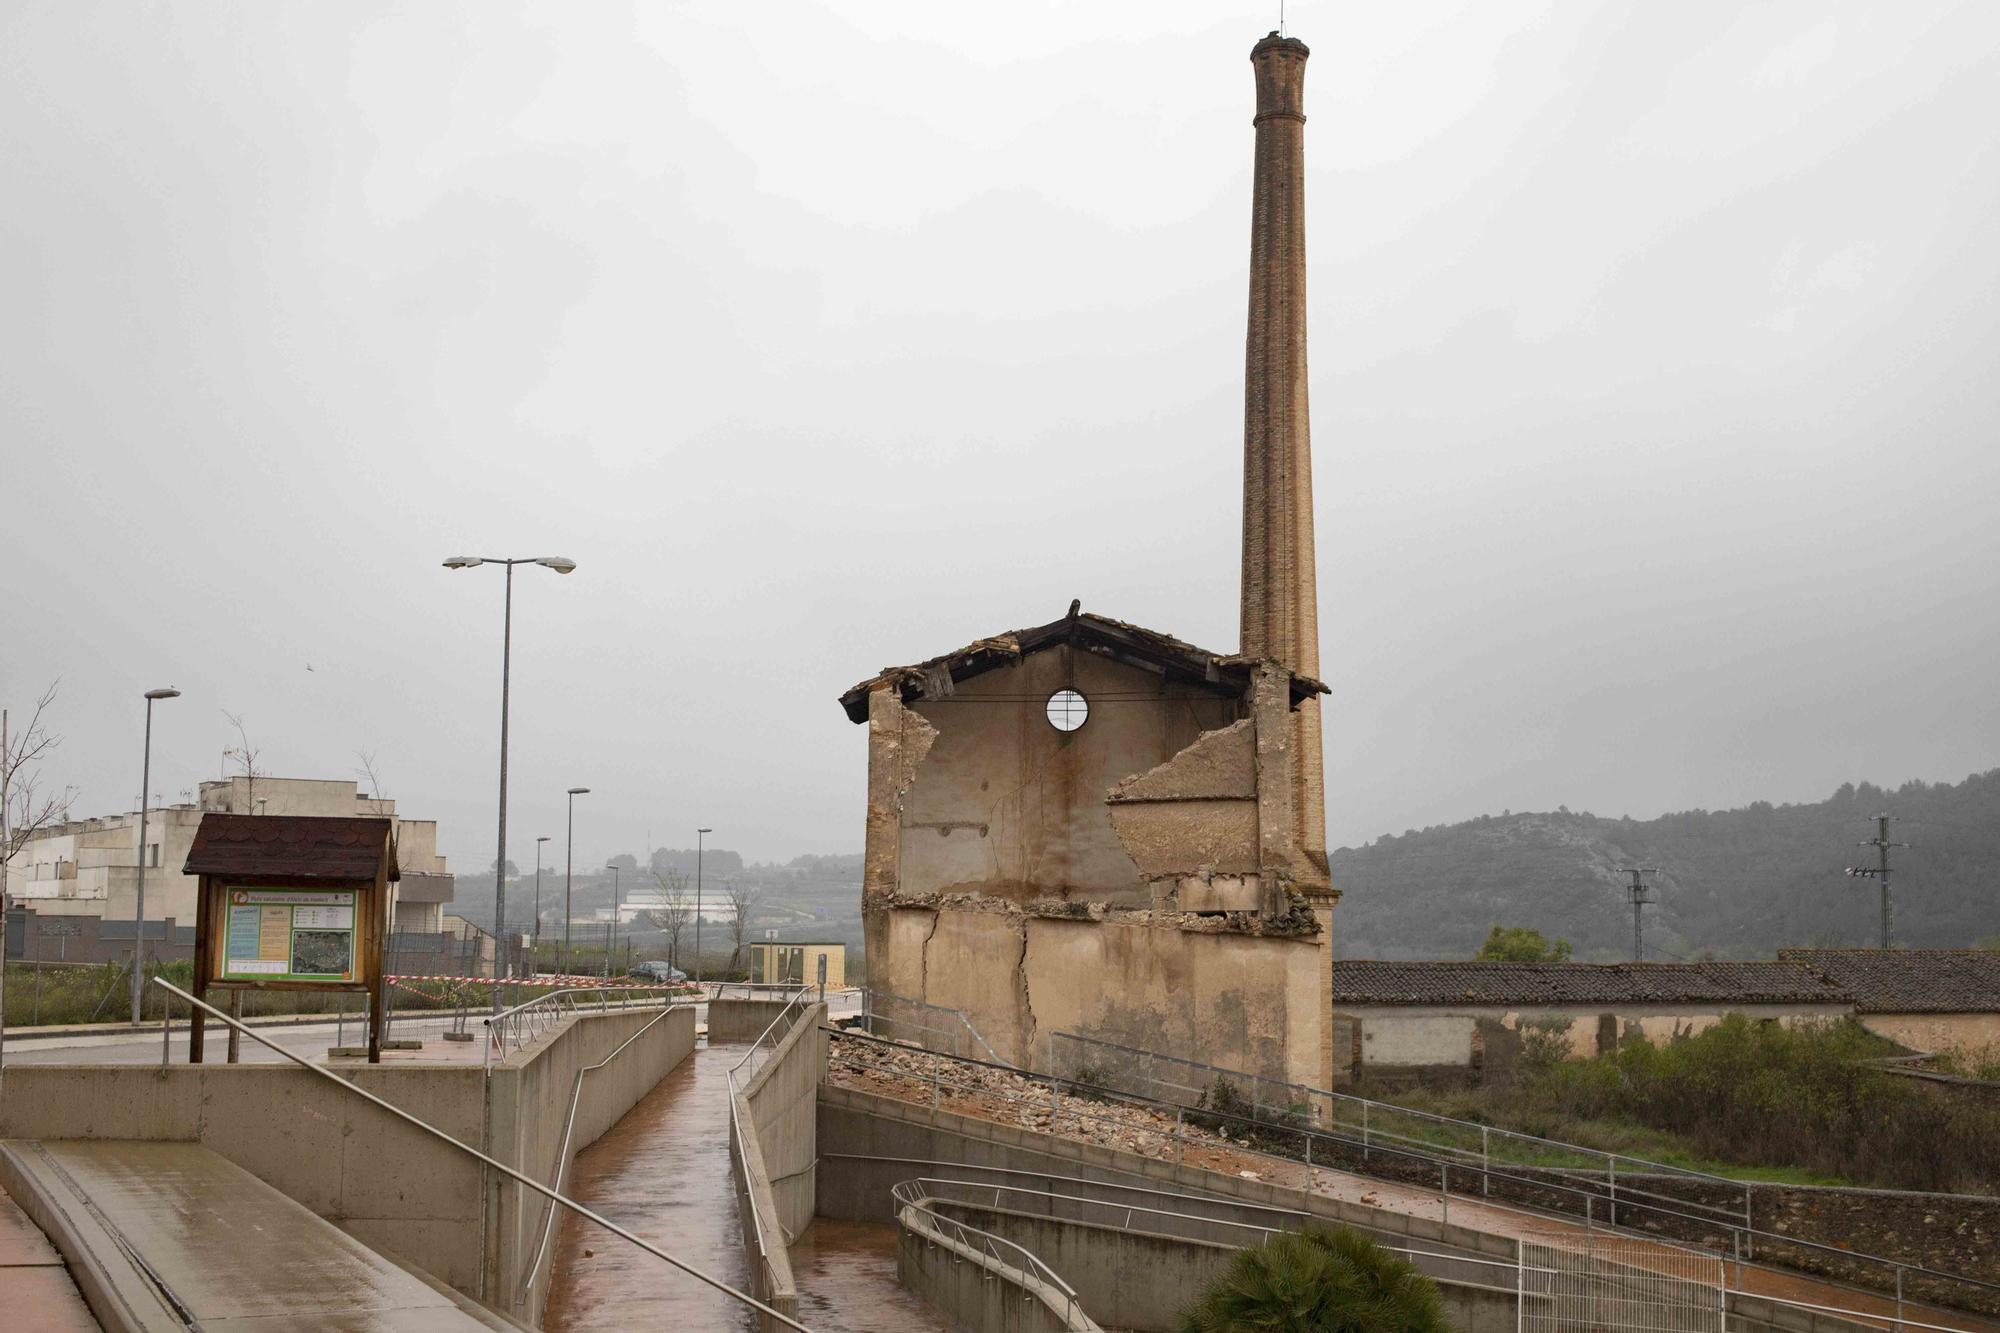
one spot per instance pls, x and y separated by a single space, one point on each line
569 847
139 910
560 565
699 834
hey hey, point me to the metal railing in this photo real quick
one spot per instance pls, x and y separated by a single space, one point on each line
554 1196
1331 1149
1534 1281
514 1029
911 1200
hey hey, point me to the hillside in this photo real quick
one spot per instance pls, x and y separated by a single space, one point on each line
1736 883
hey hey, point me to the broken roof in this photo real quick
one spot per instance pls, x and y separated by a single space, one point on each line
1910 981
292 849
1145 648
1392 983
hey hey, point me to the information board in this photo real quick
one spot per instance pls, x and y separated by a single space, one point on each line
289 935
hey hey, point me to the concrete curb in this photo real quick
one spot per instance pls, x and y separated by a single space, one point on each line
120 1296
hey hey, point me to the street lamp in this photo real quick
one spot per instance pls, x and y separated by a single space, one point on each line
699 834
612 866
560 565
538 904
139 909
569 846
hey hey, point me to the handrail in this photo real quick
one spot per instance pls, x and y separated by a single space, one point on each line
913 1202
494 1163
1130 1208
1443 1165
562 1151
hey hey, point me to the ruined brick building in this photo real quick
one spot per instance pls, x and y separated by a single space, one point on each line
1095 828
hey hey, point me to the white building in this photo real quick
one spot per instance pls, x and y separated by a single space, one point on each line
89 867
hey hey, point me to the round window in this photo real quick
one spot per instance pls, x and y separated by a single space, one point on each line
1068 710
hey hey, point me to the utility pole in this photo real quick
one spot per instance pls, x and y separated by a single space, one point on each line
1880 842
1640 895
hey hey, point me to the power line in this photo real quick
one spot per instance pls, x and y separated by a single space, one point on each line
1880 842
1640 895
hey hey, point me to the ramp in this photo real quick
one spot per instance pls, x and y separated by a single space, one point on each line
164 1237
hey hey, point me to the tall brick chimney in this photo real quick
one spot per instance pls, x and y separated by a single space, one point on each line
1280 599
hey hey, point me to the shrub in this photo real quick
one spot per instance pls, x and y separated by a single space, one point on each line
1318 1281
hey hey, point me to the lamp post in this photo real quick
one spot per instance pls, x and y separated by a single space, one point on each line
612 866
569 847
535 964
699 834
560 565
139 909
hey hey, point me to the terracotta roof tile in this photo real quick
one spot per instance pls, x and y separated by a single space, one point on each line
1431 983
1910 981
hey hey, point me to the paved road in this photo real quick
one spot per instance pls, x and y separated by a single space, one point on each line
310 1040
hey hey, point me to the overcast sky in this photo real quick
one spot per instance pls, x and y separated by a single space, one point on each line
1653 388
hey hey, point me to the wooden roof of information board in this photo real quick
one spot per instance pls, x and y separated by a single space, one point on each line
292 849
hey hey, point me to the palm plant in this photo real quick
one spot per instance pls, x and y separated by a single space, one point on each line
1318 1281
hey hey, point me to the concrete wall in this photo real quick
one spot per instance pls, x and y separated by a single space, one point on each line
978 1291
782 1101
773 1145
902 1141
734 1020
1446 1036
388 1183
1936 1032
1009 806
1184 986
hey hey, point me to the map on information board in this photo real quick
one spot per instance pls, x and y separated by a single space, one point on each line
289 935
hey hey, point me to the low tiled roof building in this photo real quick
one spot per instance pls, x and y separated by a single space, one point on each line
1398 1021
1927 999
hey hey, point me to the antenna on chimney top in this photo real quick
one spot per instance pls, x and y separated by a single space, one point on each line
1281 18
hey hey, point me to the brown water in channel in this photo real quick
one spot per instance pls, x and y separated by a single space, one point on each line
663 1173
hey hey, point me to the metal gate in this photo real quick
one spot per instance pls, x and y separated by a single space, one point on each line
1575 1281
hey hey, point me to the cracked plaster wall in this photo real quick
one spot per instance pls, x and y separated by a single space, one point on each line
1242 1001
1006 805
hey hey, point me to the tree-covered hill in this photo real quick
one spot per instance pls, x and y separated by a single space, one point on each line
1732 883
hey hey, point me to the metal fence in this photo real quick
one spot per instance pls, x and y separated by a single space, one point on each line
1613 1183
1573 1284
931 1026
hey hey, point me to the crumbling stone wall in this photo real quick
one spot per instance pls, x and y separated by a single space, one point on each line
1239 994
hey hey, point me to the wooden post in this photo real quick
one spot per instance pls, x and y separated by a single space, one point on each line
204 928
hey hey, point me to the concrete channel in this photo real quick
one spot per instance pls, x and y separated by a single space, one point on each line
664 1172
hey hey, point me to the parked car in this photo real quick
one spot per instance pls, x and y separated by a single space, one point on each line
653 969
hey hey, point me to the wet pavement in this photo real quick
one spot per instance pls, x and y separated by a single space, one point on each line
35 1288
663 1173
846 1273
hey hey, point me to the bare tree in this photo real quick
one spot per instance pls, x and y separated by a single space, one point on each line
26 807
367 770
742 899
245 754
675 911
